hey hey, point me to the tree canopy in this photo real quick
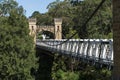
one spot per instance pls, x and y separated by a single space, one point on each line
16 56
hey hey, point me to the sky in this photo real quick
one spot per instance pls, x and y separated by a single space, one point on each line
34 5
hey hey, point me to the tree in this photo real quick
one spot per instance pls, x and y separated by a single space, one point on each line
16 56
7 5
99 26
42 19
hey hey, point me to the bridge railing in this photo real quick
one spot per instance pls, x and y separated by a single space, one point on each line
97 50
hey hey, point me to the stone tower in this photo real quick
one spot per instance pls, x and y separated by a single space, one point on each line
32 27
58 28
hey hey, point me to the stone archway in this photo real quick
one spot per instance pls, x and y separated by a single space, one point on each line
45 35
56 29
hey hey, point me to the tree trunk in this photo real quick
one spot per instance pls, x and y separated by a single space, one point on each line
116 39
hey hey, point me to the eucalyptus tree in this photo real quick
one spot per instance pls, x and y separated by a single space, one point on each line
7 5
17 55
100 25
42 18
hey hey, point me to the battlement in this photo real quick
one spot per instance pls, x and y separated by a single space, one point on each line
32 20
47 26
57 20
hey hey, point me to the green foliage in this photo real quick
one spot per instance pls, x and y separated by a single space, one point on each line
16 56
100 25
91 73
62 75
42 19
60 70
71 32
83 71
7 5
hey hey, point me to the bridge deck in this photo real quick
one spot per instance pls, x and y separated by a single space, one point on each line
96 50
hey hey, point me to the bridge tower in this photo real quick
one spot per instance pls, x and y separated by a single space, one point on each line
58 28
32 27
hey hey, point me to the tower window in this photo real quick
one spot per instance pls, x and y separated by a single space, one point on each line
58 28
32 28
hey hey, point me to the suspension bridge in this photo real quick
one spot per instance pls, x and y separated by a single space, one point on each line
95 50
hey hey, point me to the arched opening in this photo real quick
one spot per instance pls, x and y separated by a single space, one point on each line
45 35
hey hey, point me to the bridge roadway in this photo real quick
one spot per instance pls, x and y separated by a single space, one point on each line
96 50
